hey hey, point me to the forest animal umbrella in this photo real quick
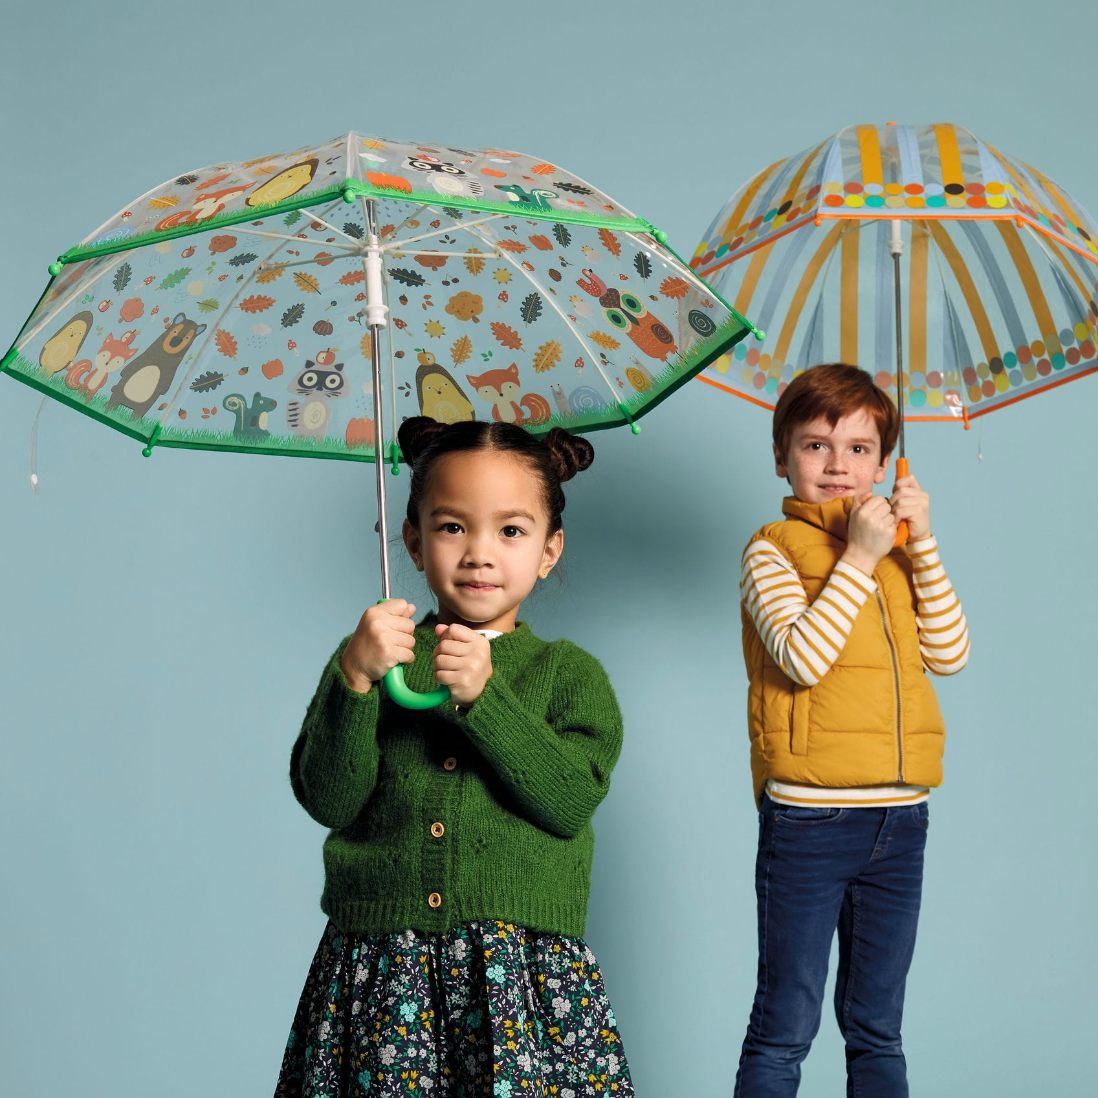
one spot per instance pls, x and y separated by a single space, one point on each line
996 301
261 306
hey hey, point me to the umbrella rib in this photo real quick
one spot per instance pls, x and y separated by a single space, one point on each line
457 255
302 239
933 248
322 260
395 245
332 228
615 400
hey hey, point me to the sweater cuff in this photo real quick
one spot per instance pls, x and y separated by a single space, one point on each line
496 715
921 547
343 706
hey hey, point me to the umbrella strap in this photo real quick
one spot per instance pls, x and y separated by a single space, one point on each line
34 446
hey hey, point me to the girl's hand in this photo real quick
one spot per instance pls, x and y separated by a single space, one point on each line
871 531
910 502
384 637
463 662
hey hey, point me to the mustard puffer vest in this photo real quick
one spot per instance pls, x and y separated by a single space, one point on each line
874 717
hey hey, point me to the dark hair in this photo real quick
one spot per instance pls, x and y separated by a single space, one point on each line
555 457
830 392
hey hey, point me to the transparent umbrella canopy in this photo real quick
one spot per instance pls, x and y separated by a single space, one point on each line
295 303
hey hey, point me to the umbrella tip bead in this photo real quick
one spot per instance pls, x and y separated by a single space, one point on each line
348 196
759 334
55 268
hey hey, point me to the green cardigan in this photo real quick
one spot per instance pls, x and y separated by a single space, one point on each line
513 781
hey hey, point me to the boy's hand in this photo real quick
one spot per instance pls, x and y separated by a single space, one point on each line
463 662
871 531
910 502
384 637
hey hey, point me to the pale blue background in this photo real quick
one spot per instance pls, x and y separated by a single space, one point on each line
164 621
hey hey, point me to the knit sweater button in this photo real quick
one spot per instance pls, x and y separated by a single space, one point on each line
435 900
450 764
438 830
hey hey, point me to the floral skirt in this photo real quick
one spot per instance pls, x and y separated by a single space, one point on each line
489 1009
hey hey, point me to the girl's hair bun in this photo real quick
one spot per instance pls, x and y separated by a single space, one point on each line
568 454
416 434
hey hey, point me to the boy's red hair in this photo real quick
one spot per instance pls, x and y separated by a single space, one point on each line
830 392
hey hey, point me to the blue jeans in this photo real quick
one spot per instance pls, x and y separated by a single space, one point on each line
859 870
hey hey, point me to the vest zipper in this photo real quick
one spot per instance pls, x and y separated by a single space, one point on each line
896 682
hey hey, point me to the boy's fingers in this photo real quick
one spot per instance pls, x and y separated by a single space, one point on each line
440 630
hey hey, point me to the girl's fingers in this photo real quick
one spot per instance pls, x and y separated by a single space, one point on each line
454 648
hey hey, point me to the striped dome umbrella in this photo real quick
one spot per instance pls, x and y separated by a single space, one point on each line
997 296
995 303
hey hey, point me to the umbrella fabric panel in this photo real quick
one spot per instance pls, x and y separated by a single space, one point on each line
225 193
870 171
990 312
253 335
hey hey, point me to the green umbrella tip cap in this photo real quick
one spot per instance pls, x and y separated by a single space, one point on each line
55 268
348 196
759 334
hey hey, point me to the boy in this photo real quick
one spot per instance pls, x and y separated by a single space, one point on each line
839 629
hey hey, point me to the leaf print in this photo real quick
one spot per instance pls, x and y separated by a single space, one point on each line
225 343
163 202
564 237
207 381
609 242
292 315
461 350
547 357
209 305
643 265
292 218
515 246
307 283
674 287
367 346
507 335
604 340
473 265
243 258
407 277
351 277
122 277
174 278
257 303
531 308
542 243
572 188
351 229
269 274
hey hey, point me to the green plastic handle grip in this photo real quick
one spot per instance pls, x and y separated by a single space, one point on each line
405 696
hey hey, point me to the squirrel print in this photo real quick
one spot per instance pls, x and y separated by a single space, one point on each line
251 419
501 388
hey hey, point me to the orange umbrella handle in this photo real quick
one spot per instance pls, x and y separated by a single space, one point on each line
901 526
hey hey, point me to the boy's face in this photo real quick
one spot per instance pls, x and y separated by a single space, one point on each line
824 462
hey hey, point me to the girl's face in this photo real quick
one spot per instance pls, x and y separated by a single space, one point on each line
483 537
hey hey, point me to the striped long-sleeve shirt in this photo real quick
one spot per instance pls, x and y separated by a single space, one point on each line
805 639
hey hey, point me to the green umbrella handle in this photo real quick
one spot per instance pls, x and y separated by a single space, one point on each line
404 695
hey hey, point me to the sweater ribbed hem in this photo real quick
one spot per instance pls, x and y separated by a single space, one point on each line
564 917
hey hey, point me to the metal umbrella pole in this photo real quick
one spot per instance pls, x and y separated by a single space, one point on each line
896 247
376 320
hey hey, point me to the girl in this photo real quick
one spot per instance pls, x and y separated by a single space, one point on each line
458 864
